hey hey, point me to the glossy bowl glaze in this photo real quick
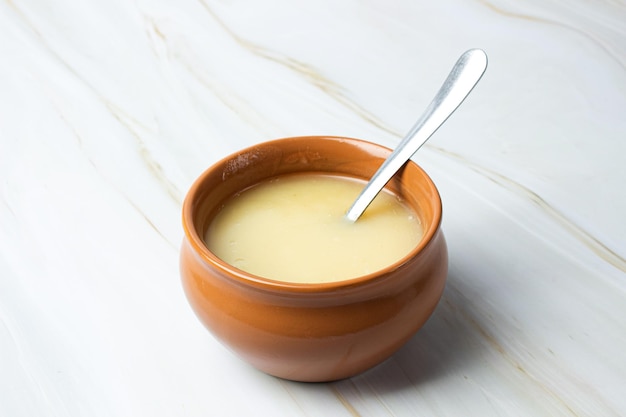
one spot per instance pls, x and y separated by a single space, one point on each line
311 332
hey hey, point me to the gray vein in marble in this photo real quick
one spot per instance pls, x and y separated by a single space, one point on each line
308 72
346 404
587 239
6 204
153 165
332 387
516 365
285 385
121 116
615 55
152 225
138 210
79 140
362 398
226 95
23 364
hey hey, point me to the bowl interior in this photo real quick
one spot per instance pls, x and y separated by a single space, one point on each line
311 154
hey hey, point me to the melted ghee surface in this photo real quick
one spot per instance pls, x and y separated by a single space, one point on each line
292 228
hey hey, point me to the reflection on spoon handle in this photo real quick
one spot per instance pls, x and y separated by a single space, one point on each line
464 75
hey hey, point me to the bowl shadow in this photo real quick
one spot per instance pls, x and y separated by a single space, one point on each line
448 343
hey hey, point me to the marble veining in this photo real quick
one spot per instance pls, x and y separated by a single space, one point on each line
579 18
306 71
593 243
109 111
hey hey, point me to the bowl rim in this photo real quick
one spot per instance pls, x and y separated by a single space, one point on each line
249 279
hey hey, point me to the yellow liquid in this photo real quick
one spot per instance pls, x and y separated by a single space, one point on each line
292 228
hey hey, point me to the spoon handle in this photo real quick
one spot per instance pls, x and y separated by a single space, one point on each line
462 78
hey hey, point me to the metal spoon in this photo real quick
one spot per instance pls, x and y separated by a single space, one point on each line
464 75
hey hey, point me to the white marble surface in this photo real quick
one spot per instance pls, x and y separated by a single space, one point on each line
110 109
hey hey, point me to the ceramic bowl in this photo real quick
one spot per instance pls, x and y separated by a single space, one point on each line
311 332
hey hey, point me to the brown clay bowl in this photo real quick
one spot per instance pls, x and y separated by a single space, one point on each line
312 332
